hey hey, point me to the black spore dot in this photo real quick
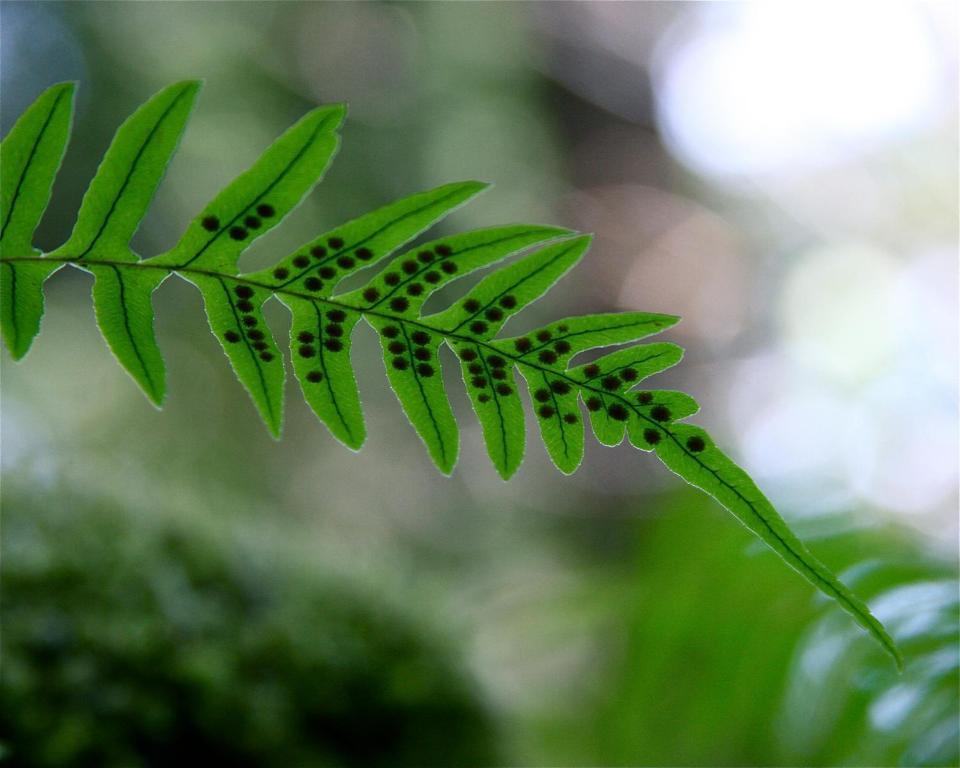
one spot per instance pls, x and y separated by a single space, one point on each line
483 398
399 304
695 443
391 278
523 344
449 267
305 337
652 436
335 242
479 382
591 370
211 223
610 382
618 411
364 254
425 369
546 411
336 315
396 347
248 320
471 305
547 356
333 345
660 413
371 294
570 418
493 314
498 373
232 336
391 331
318 251
541 395
409 266
281 273
425 256
346 262
260 345
414 289
645 398
508 302
238 233
443 249
265 210
594 404
243 291
255 334
335 330
315 377
560 387
245 306
300 261
400 363
562 347
475 368
544 335
313 283
468 355
496 361
421 353
563 328
326 272
307 350
266 357
504 389
628 374
420 337
432 277
478 327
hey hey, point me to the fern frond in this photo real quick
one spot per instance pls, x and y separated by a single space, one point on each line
390 301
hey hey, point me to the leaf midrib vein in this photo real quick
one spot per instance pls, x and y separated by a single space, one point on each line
26 165
133 168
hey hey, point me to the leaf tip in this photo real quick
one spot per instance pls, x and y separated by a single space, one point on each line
444 464
189 86
337 112
506 473
67 86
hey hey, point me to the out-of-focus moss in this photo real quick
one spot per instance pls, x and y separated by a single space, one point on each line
131 640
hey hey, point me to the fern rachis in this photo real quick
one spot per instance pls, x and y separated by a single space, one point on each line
390 301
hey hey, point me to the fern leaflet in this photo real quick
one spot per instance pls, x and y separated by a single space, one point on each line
390 301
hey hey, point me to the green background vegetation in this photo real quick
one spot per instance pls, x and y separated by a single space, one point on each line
177 583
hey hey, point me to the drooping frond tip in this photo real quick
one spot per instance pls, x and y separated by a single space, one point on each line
610 392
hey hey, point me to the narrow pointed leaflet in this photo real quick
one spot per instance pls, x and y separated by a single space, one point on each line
30 157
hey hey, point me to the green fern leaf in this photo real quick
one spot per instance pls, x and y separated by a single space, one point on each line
391 301
122 303
29 159
235 314
124 185
689 451
320 340
114 205
258 199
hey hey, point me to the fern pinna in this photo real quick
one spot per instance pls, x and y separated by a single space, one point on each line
390 301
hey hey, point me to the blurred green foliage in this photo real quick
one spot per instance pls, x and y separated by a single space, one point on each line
134 640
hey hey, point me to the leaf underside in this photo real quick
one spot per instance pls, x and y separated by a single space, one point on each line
608 391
